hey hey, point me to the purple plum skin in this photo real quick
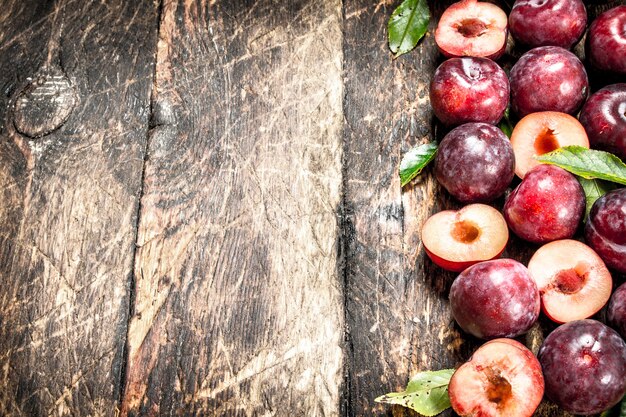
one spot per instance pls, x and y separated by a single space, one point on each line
584 365
616 313
469 89
547 205
548 22
494 299
605 230
548 78
604 119
606 41
475 162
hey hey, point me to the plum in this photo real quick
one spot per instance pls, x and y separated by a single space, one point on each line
475 163
548 22
584 365
548 205
495 299
604 119
469 90
502 379
605 230
606 41
548 78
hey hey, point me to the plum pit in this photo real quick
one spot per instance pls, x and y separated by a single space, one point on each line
465 231
472 28
570 281
498 389
546 142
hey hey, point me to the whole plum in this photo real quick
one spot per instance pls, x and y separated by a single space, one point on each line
548 78
475 162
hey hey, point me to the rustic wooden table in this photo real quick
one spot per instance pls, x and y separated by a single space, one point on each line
201 213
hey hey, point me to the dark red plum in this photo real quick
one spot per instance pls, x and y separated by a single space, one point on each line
469 90
548 78
495 299
616 314
605 230
606 41
548 205
475 162
584 366
604 119
548 22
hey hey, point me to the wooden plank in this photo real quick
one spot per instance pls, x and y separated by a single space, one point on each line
397 319
76 80
238 306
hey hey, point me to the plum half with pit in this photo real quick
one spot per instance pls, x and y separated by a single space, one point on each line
495 298
573 281
605 230
616 314
584 365
547 205
604 119
475 163
543 132
469 90
455 240
606 41
472 28
502 379
548 22
548 78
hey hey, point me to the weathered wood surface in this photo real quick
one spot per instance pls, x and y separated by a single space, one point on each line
397 319
201 212
238 301
76 79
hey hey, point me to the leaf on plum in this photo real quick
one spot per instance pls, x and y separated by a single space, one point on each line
587 163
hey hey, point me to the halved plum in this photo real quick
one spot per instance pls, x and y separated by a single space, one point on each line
472 28
543 132
455 240
502 379
573 281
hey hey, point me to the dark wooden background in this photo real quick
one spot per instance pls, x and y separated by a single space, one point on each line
200 210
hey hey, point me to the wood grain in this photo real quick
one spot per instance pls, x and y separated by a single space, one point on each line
397 317
201 213
238 305
76 80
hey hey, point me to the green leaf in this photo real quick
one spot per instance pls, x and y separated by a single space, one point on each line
594 189
618 411
505 124
587 163
415 160
426 393
407 25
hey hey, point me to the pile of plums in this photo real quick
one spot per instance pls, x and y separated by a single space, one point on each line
581 365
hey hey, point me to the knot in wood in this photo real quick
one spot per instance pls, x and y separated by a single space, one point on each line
44 104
